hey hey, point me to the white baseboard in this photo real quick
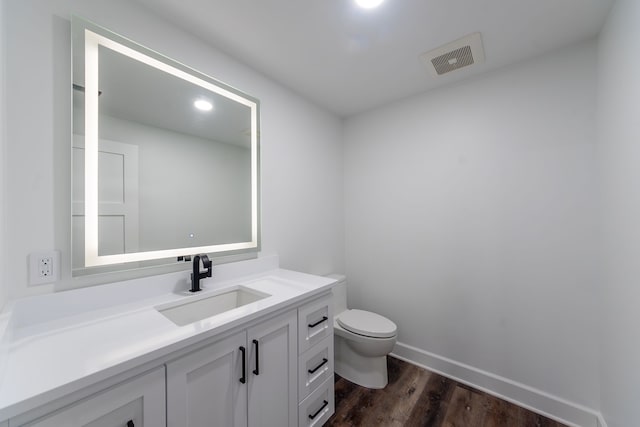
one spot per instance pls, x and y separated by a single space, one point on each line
543 403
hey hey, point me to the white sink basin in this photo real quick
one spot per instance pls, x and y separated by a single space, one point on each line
188 312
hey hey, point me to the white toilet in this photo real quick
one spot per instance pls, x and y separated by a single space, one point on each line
362 341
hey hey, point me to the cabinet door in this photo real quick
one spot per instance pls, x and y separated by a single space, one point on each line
138 402
204 387
273 365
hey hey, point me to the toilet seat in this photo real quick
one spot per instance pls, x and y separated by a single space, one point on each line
367 323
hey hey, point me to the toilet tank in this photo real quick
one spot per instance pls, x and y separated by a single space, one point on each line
339 292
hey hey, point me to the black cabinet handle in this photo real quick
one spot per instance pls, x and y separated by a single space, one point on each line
324 405
257 370
311 371
130 423
243 379
313 325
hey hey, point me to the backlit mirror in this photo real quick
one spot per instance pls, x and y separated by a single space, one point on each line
165 159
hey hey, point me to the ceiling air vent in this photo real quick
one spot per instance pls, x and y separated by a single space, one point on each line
455 55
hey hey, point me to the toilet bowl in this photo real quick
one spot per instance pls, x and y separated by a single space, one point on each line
362 340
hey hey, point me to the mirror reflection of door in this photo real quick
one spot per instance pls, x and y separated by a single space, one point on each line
118 205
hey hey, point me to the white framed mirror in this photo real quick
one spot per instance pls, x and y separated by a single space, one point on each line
165 159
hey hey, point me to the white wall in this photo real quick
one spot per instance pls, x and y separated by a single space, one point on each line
471 222
619 144
3 166
301 143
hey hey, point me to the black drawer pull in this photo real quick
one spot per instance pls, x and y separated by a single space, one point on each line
243 379
311 371
130 423
324 405
313 325
257 370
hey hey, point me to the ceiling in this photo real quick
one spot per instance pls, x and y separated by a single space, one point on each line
350 60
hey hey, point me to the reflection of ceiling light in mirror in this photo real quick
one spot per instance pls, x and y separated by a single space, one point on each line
368 4
203 105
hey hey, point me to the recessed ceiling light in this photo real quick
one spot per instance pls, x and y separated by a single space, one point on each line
369 4
203 105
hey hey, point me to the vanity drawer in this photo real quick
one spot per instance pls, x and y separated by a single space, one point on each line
315 323
314 367
318 407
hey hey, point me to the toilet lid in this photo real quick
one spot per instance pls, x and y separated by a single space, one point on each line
366 323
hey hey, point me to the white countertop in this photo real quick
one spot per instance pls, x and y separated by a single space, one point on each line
57 344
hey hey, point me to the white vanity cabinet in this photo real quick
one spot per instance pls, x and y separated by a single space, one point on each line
315 374
269 370
247 379
135 403
204 388
273 387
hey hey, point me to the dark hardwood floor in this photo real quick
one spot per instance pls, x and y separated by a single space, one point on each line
416 397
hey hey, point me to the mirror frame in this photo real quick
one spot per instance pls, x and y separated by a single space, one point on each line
95 36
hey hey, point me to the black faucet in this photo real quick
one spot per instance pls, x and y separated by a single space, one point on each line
197 275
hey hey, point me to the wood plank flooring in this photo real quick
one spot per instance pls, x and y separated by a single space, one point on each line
416 397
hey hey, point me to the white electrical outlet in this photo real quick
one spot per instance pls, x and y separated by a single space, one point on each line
44 267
